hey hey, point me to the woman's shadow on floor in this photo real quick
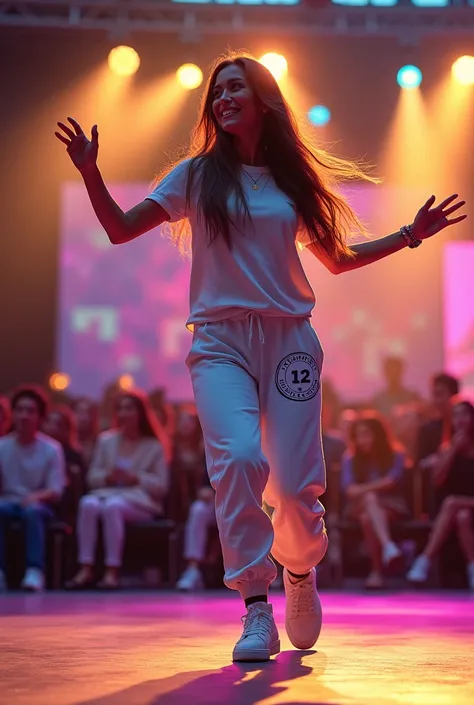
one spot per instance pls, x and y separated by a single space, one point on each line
237 684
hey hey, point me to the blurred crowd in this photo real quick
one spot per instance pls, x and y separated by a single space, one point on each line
400 481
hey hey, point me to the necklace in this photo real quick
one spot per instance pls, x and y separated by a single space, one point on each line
254 182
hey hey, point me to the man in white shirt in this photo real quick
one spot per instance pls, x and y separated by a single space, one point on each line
32 479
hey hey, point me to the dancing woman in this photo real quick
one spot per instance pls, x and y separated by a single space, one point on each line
250 187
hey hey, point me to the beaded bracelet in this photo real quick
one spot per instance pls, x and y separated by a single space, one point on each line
407 233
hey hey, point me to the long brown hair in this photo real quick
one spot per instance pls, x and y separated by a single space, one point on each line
306 175
384 448
148 424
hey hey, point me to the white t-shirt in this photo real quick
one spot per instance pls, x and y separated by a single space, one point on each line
262 272
28 469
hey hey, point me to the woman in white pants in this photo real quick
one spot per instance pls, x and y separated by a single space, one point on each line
128 481
251 188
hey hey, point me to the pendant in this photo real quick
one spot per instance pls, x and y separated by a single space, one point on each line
255 187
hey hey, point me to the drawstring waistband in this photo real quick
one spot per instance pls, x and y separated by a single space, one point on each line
253 316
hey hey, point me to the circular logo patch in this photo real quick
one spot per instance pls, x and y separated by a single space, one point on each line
297 377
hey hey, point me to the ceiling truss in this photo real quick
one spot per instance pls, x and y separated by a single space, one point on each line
192 22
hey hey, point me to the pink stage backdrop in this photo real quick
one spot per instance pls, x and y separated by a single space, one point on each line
123 309
459 312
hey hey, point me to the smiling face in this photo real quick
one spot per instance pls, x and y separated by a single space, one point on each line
235 106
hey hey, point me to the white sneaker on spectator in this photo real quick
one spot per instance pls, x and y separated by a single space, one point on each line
470 575
392 558
303 614
260 638
3 582
420 570
190 580
33 580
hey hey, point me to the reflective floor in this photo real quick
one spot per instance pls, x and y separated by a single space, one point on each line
167 649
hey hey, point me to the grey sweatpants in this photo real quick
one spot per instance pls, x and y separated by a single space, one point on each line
256 382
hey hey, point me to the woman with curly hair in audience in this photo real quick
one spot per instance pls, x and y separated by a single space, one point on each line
128 481
372 471
454 475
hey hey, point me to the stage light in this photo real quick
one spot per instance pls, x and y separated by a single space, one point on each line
59 381
276 64
189 76
126 382
124 61
463 70
319 115
409 77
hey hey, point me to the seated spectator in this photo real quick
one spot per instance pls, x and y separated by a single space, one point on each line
188 464
202 516
371 472
454 474
31 482
5 416
443 388
164 410
86 412
405 422
128 482
61 425
395 393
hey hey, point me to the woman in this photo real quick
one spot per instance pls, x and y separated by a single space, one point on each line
370 475
128 479
189 470
188 465
60 424
454 475
87 420
250 187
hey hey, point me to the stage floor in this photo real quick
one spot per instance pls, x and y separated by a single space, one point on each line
167 649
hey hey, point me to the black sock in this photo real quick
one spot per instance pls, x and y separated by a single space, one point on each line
298 577
256 598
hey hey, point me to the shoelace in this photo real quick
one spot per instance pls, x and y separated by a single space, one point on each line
256 623
303 597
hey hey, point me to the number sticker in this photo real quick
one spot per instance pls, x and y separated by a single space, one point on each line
297 377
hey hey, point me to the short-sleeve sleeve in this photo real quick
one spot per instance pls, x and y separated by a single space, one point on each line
171 192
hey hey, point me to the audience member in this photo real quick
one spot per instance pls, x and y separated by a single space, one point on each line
61 425
32 480
86 412
371 473
129 479
164 410
201 518
394 393
188 465
5 416
454 475
443 388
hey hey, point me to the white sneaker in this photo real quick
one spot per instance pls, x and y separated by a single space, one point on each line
304 614
392 558
470 576
33 580
420 570
260 638
190 580
3 582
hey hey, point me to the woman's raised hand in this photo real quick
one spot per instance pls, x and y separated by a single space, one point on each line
83 152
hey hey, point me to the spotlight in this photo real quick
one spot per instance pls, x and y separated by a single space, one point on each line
189 76
124 61
409 77
276 64
59 381
319 115
463 70
126 382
